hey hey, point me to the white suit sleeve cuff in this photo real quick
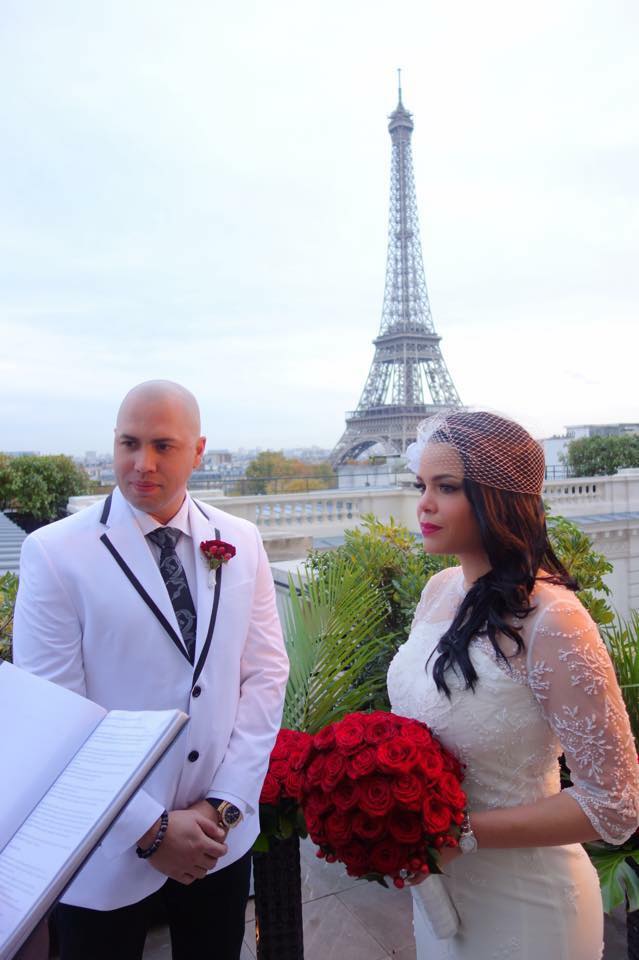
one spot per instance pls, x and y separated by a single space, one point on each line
238 802
140 813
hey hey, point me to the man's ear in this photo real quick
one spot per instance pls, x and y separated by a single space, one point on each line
200 446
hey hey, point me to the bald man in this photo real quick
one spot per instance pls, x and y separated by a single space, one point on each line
115 602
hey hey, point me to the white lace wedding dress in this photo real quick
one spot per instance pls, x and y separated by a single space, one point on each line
540 903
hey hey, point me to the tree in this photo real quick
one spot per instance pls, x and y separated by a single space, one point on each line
272 472
589 567
41 486
601 456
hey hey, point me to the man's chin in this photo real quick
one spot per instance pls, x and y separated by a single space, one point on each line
146 500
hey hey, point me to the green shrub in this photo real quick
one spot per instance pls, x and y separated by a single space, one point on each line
41 486
8 591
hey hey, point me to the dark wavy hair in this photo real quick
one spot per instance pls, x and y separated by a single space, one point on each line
514 536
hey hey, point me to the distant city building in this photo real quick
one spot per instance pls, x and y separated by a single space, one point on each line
601 430
307 454
215 458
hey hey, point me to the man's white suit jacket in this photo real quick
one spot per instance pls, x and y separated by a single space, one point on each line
93 614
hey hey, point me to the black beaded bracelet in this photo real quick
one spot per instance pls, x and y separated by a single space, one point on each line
159 837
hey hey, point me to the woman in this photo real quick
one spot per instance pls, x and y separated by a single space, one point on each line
507 668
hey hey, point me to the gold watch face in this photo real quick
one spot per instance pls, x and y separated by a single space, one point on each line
230 814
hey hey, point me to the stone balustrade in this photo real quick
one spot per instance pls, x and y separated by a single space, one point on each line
322 513
607 508
583 496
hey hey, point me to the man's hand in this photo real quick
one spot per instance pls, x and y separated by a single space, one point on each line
207 810
192 845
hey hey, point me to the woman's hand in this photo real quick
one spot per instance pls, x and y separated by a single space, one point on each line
444 857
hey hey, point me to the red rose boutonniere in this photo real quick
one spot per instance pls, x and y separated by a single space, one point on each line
216 552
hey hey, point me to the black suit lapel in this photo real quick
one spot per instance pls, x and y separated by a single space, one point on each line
153 607
216 602
135 583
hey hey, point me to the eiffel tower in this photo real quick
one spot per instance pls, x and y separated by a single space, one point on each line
408 363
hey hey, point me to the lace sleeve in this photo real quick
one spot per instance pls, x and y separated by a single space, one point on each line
573 680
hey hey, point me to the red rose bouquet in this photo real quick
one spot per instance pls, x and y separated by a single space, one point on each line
381 795
280 812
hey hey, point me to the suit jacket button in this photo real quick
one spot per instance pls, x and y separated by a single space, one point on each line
196 691
193 756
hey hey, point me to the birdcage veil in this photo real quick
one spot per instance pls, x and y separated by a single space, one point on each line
490 449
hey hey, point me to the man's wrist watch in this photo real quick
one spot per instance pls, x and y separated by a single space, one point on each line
230 815
467 839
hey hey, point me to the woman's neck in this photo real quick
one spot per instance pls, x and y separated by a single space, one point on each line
474 566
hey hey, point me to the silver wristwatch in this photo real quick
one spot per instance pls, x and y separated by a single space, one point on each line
467 839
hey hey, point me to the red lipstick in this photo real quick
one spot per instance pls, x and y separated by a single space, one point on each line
429 528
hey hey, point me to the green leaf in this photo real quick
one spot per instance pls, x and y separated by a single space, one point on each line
262 844
622 639
619 882
269 815
377 878
8 591
331 627
300 823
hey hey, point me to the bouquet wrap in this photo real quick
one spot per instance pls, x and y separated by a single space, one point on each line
433 902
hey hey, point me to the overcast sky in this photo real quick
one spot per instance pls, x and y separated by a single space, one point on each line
199 191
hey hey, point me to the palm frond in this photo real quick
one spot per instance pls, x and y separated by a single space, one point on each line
622 640
332 633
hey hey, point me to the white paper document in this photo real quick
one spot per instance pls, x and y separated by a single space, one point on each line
33 752
64 825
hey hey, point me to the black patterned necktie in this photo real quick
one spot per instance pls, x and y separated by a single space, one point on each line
176 584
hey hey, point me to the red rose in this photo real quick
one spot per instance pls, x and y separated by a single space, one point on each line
333 771
361 763
294 784
270 789
349 734
380 727
300 751
346 794
405 827
408 791
316 804
375 796
282 748
324 739
431 764
450 791
315 827
436 815
369 828
387 857
217 552
355 857
338 828
315 770
279 769
419 734
397 755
